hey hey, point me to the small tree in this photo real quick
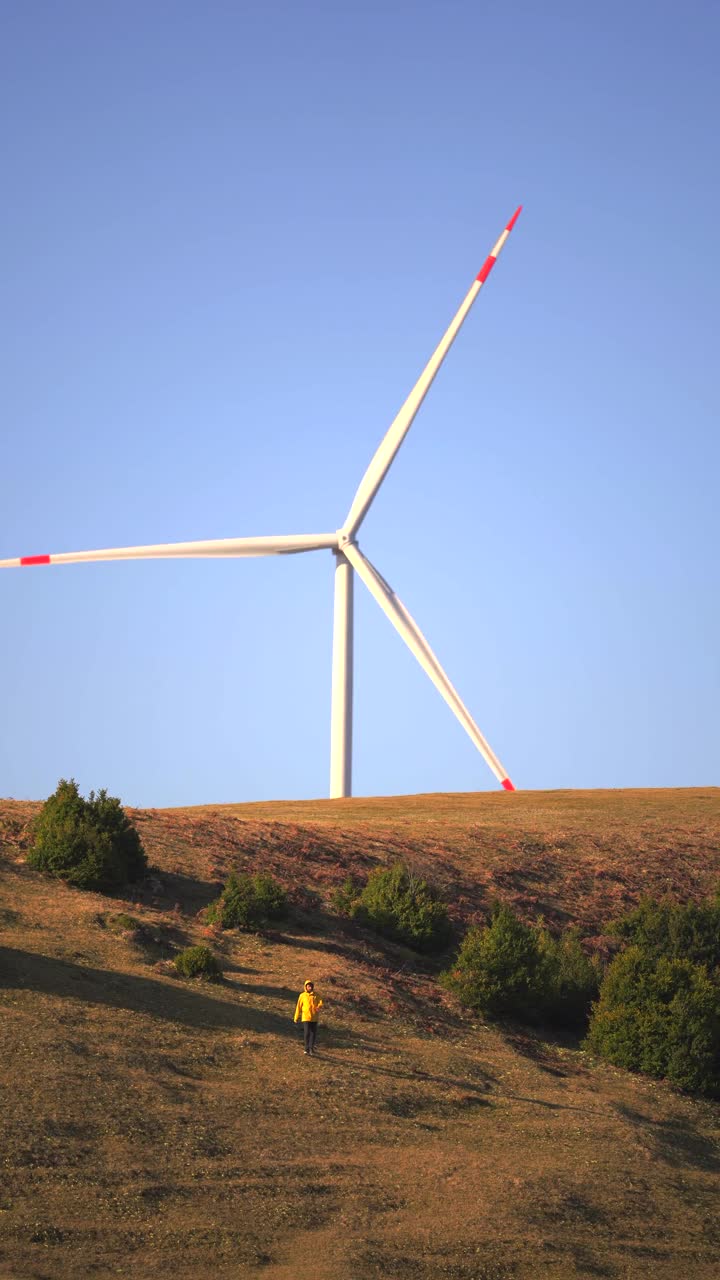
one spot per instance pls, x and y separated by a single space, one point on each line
498 967
198 962
660 1016
270 897
682 931
249 902
509 968
567 980
345 896
401 906
91 843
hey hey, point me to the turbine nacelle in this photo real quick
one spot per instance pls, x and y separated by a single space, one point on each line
349 560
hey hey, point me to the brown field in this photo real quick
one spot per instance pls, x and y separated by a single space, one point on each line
158 1128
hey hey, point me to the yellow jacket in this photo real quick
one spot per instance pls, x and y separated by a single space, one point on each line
308 1007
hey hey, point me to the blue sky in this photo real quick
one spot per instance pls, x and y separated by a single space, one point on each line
231 236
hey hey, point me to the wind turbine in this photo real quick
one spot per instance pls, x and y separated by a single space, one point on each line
348 559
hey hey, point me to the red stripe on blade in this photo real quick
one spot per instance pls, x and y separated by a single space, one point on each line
514 218
34 559
508 784
486 268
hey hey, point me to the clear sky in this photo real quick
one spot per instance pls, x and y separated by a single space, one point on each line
231 235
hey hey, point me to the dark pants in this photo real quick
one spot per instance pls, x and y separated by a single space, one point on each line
310 1033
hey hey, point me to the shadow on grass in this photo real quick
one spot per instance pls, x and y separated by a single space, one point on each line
367 948
675 1141
169 887
552 1106
258 989
587 1264
541 1046
351 949
170 1000
227 964
414 1075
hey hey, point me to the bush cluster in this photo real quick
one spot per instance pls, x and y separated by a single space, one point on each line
400 906
344 898
656 1009
249 902
91 843
659 1006
197 962
510 969
667 928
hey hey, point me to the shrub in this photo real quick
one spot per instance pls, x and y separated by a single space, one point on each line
88 843
509 968
198 962
249 902
121 922
660 1016
344 898
400 906
666 928
567 980
270 897
498 966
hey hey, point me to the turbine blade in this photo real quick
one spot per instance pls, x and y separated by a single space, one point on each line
418 645
382 459
266 546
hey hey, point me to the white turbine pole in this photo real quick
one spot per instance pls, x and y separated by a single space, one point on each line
342 682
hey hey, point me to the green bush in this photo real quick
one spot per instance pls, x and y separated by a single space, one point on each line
509 968
660 1015
400 906
198 962
270 897
498 966
344 898
249 902
121 922
667 928
567 980
659 1006
88 843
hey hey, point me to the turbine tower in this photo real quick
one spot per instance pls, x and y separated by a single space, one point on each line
349 559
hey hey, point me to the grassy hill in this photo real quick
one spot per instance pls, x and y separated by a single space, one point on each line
154 1128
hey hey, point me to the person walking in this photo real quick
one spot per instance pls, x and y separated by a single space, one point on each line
307 1010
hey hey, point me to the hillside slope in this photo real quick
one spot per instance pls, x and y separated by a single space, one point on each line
160 1128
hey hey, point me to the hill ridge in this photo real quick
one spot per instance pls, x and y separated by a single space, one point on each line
173 1129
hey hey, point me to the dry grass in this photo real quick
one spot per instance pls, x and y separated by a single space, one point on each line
158 1128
